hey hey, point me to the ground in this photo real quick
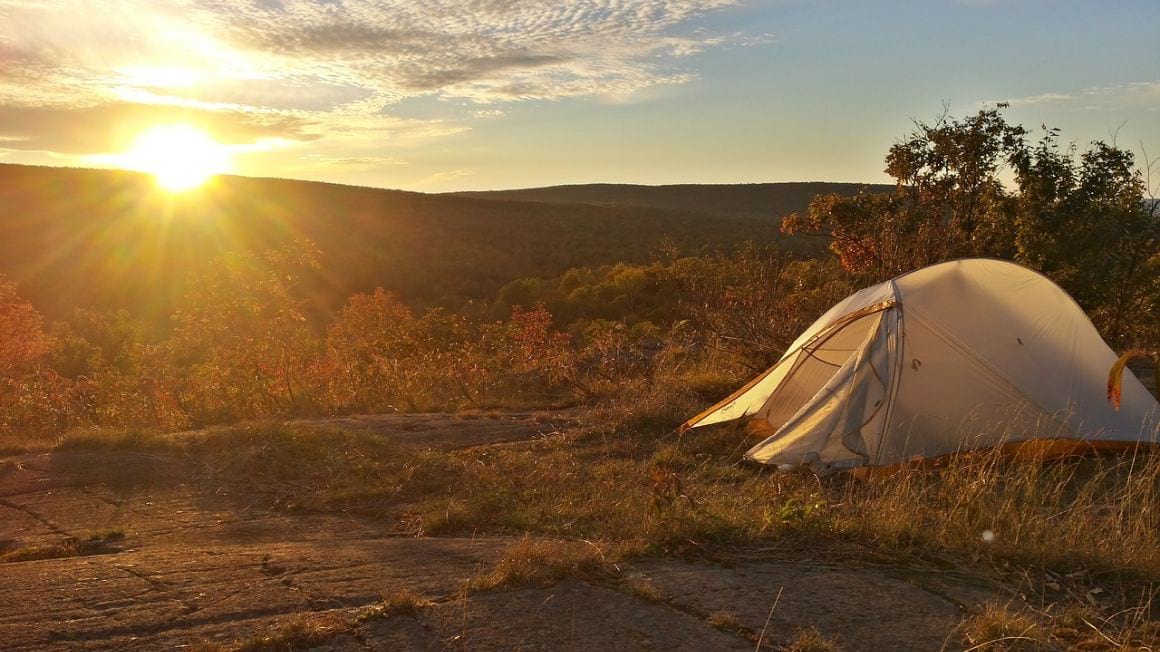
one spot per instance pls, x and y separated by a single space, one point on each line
162 554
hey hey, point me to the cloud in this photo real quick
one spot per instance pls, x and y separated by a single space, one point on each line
443 177
313 162
1141 94
326 70
393 48
110 127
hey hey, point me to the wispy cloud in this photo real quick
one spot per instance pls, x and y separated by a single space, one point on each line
1140 94
305 70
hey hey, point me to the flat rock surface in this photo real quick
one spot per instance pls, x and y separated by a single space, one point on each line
865 609
200 564
450 431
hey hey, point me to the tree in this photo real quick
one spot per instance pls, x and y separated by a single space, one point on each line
1080 218
241 338
23 340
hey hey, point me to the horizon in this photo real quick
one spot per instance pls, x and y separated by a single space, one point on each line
491 97
145 174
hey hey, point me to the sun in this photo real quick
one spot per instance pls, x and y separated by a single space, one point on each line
179 156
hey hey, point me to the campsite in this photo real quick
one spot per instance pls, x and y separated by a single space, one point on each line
579 325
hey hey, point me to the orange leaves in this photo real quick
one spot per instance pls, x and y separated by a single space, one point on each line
23 340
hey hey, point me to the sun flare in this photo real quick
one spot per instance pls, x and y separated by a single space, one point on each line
179 156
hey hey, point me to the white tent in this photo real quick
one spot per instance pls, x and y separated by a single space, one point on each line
956 356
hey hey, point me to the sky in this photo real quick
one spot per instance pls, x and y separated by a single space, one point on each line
438 95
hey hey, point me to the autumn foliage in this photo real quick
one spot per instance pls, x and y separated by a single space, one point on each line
258 335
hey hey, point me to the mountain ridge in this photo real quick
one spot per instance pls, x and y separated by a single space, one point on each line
108 239
746 200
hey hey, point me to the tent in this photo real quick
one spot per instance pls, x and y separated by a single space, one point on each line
961 355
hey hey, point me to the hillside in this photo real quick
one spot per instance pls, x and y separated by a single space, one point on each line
75 237
750 200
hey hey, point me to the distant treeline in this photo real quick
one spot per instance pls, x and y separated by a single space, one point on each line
749 200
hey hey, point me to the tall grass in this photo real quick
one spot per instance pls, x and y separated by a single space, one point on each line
1093 510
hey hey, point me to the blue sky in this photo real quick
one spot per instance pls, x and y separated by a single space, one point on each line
441 95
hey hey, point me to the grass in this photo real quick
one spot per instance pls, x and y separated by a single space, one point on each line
540 562
300 633
725 620
96 543
997 626
646 493
401 603
811 640
310 631
1001 627
642 588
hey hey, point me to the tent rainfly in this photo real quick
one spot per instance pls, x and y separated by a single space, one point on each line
957 356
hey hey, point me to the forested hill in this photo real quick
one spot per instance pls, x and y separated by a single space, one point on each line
748 200
109 239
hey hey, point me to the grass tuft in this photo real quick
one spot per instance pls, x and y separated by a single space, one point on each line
642 588
1001 627
724 620
539 562
402 603
301 633
811 640
96 543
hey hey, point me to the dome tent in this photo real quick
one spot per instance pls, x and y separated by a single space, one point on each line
961 355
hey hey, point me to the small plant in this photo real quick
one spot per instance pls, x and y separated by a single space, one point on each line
642 588
811 640
301 633
725 620
539 562
401 603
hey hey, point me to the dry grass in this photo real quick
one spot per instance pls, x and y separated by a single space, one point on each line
541 562
642 588
725 620
95 544
997 626
811 640
402 603
311 631
648 492
1001 627
300 633
1081 512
